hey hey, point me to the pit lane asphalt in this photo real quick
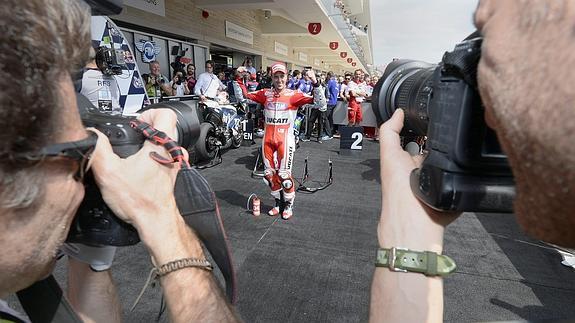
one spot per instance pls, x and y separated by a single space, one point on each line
317 266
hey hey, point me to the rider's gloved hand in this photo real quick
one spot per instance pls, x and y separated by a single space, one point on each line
99 258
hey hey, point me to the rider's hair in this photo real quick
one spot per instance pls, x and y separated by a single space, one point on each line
42 43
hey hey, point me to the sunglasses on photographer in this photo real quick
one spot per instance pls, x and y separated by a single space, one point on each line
80 151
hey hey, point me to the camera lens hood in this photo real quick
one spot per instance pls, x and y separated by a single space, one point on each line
188 124
395 74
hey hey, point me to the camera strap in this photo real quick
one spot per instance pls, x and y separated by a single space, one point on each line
209 84
44 301
161 138
197 203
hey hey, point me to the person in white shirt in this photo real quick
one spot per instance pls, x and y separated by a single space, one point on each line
343 91
249 65
208 84
101 90
357 94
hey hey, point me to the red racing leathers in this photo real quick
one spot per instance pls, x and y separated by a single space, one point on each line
278 145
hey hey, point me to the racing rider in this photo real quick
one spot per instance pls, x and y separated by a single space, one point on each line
278 145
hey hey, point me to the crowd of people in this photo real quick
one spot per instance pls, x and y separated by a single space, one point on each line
352 88
304 95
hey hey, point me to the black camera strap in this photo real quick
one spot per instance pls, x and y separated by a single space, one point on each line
44 302
197 203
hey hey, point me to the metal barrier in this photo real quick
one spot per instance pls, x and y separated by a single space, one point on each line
340 114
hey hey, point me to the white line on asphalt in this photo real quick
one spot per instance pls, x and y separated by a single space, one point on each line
263 235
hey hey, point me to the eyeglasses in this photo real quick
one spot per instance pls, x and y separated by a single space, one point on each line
80 151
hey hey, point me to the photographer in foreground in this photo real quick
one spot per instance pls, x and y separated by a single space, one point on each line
528 95
41 191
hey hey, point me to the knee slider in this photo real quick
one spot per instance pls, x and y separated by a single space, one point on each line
268 177
286 180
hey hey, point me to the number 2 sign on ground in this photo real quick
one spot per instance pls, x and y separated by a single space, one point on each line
351 141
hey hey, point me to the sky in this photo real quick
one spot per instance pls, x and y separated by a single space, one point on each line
418 29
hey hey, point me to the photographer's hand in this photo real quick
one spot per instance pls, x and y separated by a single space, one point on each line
405 223
141 191
401 211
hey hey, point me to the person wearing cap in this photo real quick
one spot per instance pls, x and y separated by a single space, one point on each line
237 84
278 145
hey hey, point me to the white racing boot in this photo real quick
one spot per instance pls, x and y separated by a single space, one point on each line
288 211
276 209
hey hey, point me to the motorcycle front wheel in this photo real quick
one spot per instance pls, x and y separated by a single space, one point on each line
206 144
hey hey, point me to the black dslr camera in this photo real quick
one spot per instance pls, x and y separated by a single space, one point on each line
465 169
95 224
110 61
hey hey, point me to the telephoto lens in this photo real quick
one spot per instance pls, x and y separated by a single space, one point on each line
189 116
406 84
464 170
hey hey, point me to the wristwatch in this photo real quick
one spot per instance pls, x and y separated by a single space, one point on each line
428 263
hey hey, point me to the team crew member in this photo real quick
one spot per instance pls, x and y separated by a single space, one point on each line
294 80
101 90
280 109
358 92
237 84
208 84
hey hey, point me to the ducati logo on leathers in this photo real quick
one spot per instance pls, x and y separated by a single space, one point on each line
289 157
276 120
